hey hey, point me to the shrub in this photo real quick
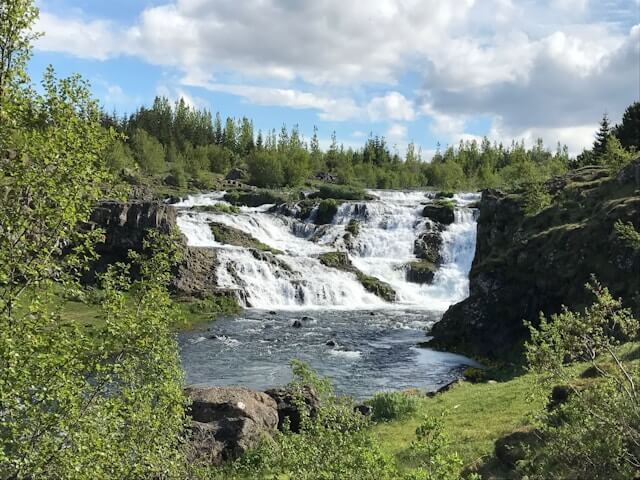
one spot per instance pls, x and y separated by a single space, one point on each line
327 209
353 227
341 192
475 375
255 198
393 405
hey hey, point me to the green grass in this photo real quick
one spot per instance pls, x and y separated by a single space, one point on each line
478 414
192 313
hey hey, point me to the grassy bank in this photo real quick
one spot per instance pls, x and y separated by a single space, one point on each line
190 313
476 415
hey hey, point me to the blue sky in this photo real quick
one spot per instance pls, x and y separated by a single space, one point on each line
412 70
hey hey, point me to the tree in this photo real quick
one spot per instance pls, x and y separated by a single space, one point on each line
628 132
148 152
75 403
596 434
602 136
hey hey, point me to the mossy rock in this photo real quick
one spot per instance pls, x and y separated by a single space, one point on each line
218 208
353 227
440 211
444 194
256 198
341 192
340 261
233 236
422 271
475 375
327 210
377 287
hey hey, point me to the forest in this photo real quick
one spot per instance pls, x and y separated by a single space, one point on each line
184 146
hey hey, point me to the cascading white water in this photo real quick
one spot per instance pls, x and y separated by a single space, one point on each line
389 227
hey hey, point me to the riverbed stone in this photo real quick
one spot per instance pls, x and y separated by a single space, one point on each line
290 401
228 421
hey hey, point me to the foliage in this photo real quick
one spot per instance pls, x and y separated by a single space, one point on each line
337 444
353 227
219 208
596 433
147 151
615 156
255 198
215 305
429 450
536 198
341 192
628 132
393 405
327 210
628 233
72 402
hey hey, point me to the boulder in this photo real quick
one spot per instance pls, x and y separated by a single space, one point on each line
290 400
235 174
228 421
441 212
125 225
195 275
422 271
427 246
513 448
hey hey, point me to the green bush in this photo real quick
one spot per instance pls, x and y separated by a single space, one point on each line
218 208
255 198
475 375
353 227
327 209
341 192
393 405
215 305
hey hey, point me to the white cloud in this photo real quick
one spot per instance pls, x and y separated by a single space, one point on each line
397 134
549 67
392 106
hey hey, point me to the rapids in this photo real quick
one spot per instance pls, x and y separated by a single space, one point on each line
361 342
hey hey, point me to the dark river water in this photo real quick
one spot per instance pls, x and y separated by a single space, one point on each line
362 352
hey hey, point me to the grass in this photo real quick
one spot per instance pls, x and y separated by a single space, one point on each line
477 415
192 313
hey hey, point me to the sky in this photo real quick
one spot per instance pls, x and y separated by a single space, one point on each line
424 71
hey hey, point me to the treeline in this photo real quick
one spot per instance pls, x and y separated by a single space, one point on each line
185 146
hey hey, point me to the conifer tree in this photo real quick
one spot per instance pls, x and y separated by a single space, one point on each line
602 137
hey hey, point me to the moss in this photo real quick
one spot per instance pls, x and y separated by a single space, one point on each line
256 198
327 210
444 194
353 227
342 192
232 236
421 271
340 261
218 208
377 287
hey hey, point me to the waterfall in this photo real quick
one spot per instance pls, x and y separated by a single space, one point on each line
295 278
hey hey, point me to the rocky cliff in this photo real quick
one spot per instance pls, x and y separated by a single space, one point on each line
530 264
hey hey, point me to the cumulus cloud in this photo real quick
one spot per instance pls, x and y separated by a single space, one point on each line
392 106
549 68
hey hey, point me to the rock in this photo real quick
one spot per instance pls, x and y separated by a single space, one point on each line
422 271
233 236
445 388
513 448
331 343
441 212
365 410
427 246
272 313
125 225
525 265
308 319
236 174
228 421
289 401
341 261
195 275
296 324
